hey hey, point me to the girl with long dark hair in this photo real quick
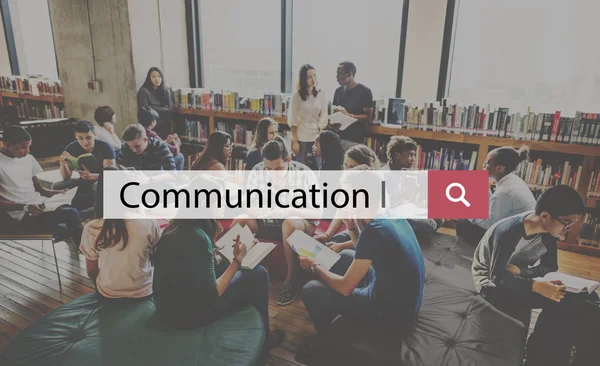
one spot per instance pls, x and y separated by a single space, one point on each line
156 95
328 147
266 130
190 290
308 113
216 154
117 252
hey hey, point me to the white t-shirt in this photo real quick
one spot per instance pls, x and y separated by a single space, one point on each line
16 183
103 135
123 272
308 115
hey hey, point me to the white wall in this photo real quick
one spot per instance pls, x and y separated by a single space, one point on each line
147 31
424 36
4 60
33 37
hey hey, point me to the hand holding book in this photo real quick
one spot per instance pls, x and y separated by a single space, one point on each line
239 250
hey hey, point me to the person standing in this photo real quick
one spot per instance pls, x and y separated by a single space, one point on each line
155 94
308 113
354 100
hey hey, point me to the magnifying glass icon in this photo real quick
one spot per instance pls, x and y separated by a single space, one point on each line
462 194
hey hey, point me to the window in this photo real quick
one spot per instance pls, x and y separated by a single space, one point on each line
367 33
515 54
241 45
33 37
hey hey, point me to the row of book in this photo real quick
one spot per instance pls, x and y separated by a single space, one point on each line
228 101
583 128
30 84
594 185
193 128
37 110
589 233
242 134
540 175
442 159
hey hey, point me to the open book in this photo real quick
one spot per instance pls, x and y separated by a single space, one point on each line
344 120
60 199
256 252
574 284
306 246
84 159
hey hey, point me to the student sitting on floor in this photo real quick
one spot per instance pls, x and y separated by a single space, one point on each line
22 196
85 143
505 275
216 154
511 197
401 153
148 118
355 156
191 291
266 130
144 153
328 149
386 250
117 253
277 156
106 118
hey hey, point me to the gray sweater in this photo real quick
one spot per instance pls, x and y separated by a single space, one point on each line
504 242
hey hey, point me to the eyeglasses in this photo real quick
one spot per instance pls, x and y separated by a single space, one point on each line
567 224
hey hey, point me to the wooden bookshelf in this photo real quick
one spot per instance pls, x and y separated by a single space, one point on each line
7 97
483 142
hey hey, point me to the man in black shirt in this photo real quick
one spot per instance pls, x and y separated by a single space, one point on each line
354 100
144 153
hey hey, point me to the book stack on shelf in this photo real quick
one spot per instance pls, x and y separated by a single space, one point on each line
33 96
242 134
227 101
589 233
541 174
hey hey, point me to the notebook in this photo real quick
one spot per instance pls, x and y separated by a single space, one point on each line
256 252
574 284
304 245
58 200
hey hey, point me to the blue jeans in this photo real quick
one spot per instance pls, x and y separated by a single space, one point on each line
305 148
246 288
424 225
324 304
179 161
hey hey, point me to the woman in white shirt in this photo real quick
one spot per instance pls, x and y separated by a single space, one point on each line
308 113
106 118
117 253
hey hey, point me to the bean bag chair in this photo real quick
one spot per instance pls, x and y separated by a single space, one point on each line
129 333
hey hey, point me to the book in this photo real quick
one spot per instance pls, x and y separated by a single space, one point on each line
58 200
256 251
306 246
88 160
573 284
344 120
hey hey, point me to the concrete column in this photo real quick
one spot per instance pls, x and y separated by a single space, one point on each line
105 47
4 60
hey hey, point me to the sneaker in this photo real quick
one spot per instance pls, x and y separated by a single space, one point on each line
287 294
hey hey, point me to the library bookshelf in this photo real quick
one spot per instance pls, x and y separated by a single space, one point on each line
26 104
483 145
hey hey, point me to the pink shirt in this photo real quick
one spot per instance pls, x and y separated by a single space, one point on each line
123 272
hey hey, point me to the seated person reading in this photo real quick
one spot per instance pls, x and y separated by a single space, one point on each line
216 154
354 156
190 290
22 196
144 153
511 197
148 118
266 130
277 156
117 253
106 118
401 153
85 143
386 250
506 275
